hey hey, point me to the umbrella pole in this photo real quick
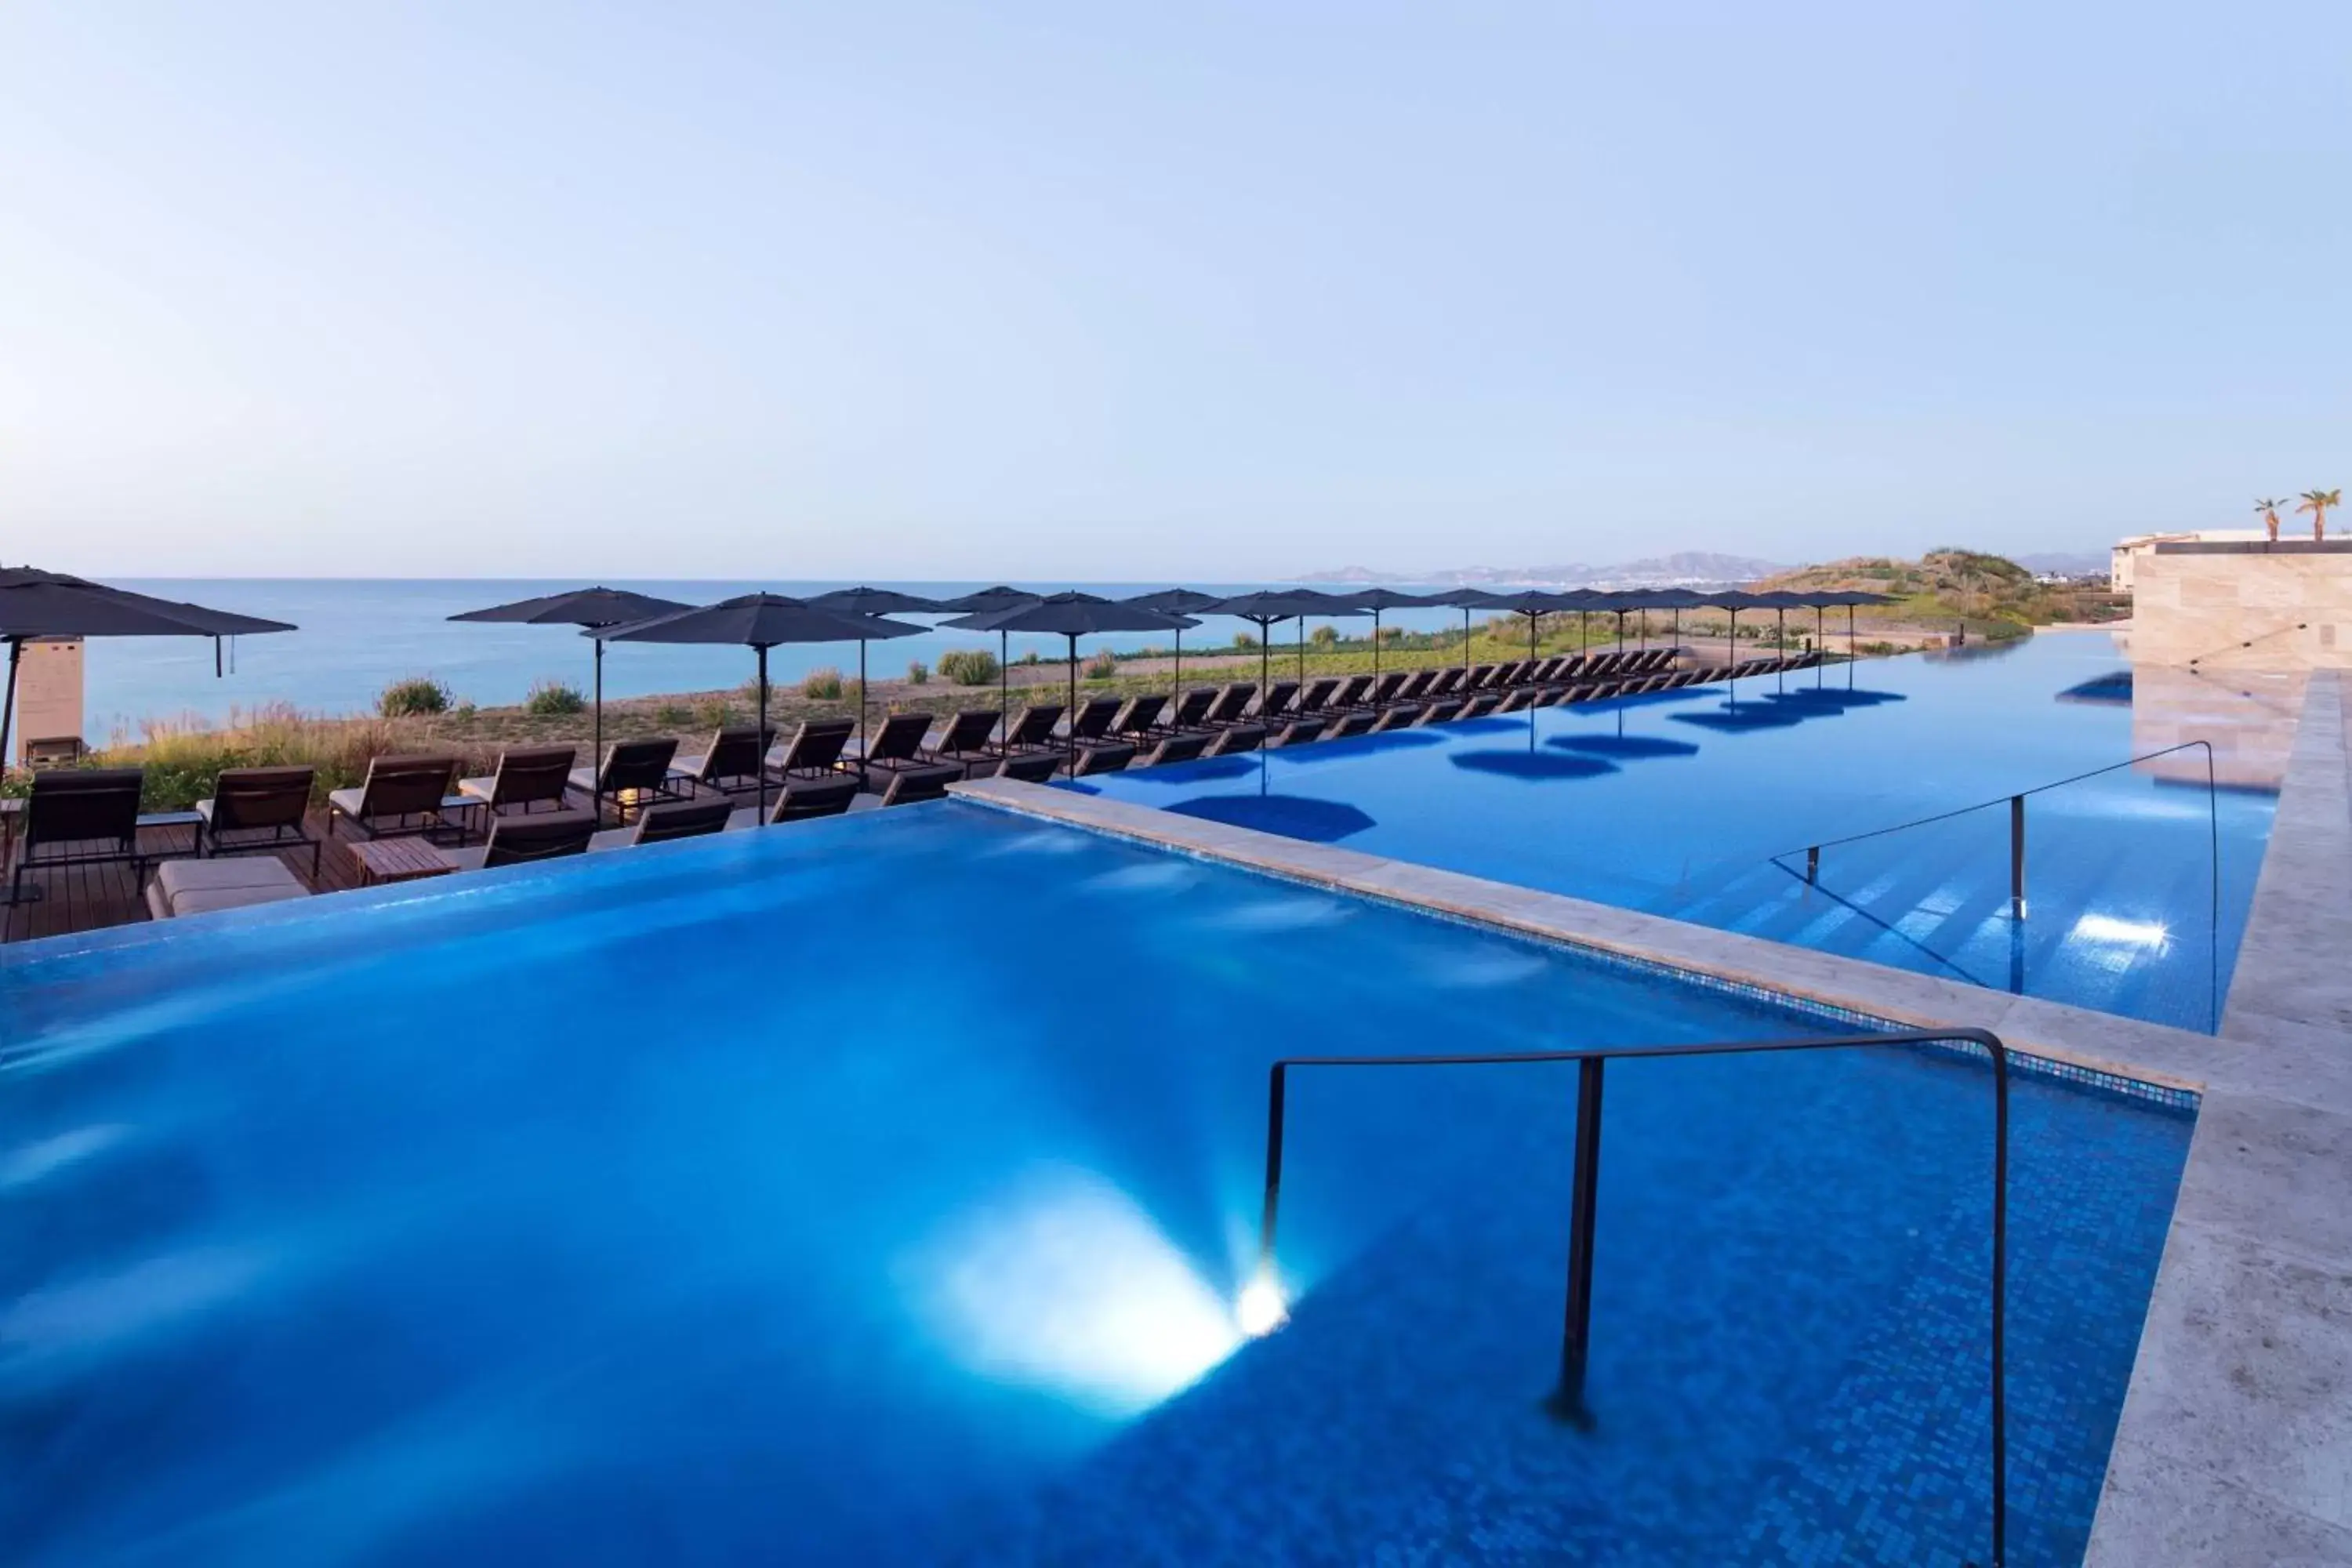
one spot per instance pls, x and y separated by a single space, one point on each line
1176 688
8 704
1004 686
596 753
764 733
1376 645
861 704
1071 764
1465 639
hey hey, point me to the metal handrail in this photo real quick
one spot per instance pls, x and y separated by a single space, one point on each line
2240 647
2016 803
1567 1399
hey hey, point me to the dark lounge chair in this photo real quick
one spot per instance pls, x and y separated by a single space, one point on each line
1396 716
407 794
1141 716
1415 685
78 817
257 808
1479 705
527 777
814 751
822 794
1351 692
1103 757
1384 690
1092 719
730 762
660 824
1443 710
1182 748
1276 702
897 745
1318 695
965 742
1235 738
1447 679
519 840
1029 767
927 782
1033 731
1298 731
1231 705
634 773
1356 721
1192 710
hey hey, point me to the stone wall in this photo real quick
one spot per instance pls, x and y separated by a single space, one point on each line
2252 607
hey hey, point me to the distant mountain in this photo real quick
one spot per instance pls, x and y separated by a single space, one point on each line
2065 562
1687 568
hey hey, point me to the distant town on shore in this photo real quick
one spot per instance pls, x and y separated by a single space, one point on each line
1679 569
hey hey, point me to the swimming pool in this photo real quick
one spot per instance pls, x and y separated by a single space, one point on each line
1676 805
878 1191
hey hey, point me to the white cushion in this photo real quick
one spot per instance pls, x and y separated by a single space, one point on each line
198 887
347 801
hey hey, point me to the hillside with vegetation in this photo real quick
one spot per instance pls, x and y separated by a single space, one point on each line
1992 595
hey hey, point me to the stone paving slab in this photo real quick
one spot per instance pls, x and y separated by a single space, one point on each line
2235 1445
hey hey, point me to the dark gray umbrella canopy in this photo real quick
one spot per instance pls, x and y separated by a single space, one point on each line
760 621
35 603
1466 600
1268 605
1535 604
863 601
1075 616
1176 601
988 600
590 607
1378 602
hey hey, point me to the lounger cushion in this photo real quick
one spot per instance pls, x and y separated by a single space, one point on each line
197 887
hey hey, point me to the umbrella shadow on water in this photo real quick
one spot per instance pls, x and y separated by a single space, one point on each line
1291 816
1835 697
1625 745
1494 726
1536 765
1208 771
1356 746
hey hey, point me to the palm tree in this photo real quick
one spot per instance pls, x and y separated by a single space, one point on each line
2316 504
2269 511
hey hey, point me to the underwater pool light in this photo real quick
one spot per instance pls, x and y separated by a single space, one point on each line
1261 1309
2107 928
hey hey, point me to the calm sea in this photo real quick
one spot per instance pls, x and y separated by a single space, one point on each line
359 634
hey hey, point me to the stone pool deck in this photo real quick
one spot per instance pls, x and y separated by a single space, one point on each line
2235 1445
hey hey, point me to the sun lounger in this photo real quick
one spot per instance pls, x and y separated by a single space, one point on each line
1236 737
1192 710
632 773
1442 711
822 794
1355 721
200 887
404 794
1318 695
965 743
1031 767
1031 731
1351 693
814 751
1396 716
519 840
1180 748
1139 717
927 782
1447 679
1231 705
1479 704
527 776
1516 697
1277 701
897 746
79 817
1415 685
1384 689
660 824
729 762
1103 757
1092 721
1480 674
1298 731
257 808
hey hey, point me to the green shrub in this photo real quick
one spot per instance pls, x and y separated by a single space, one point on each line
1102 667
418 694
670 715
1244 640
821 684
971 667
552 698
919 673
715 711
464 711
1325 636
1029 657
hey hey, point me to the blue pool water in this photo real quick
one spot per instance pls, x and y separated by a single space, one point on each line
876 1192
1676 804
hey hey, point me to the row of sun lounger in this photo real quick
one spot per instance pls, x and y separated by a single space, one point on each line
532 803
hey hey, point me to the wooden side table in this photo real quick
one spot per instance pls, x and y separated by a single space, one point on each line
407 859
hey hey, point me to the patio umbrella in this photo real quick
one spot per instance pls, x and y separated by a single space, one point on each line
1264 608
35 604
864 601
1468 599
1176 601
1313 603
1850 597
759 621
976 608
1075 616
1780 601
1535 604
593 608
1675 599
1379 600
1735 601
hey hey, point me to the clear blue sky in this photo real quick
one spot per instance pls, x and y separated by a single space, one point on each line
1122 291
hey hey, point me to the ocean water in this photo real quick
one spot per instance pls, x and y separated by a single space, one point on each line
358 635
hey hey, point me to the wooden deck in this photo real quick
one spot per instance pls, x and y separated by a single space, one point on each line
91 897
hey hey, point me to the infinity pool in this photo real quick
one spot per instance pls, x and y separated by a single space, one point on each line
1677 804
879 1192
